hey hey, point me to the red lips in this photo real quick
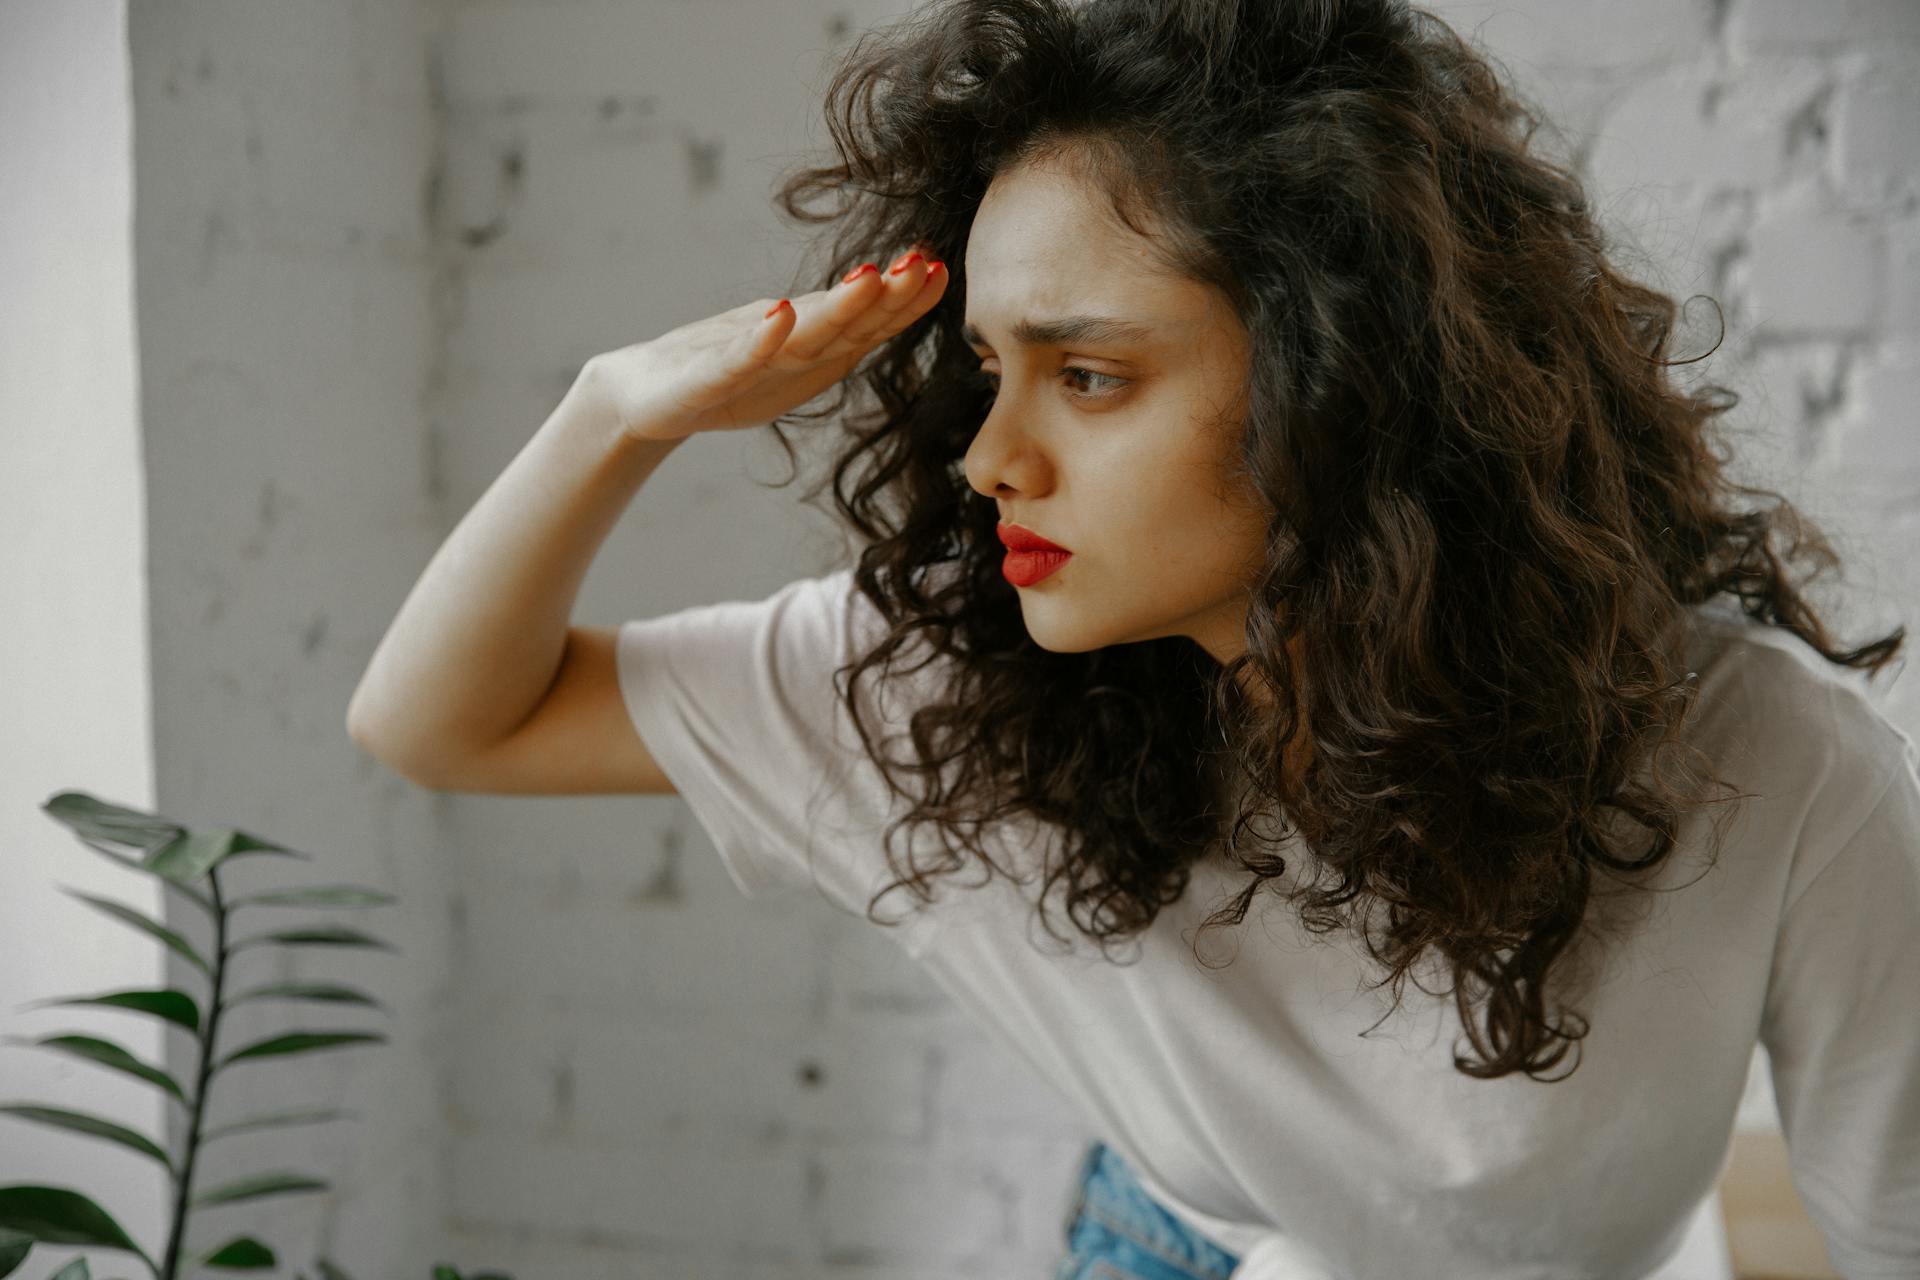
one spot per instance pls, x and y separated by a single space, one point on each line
1018 539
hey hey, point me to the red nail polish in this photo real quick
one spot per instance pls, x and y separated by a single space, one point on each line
935 265
903 263
776 306
858 271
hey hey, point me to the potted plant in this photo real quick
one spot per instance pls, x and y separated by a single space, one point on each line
188 862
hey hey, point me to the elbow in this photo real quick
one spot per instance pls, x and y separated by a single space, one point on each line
370 743
363 735
359 720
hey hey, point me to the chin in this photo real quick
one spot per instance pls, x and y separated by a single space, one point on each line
1059 628
1058 638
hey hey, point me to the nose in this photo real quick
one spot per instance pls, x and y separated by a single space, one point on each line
1004 459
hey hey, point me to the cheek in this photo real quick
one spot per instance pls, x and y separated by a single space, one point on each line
1171 499
1210 537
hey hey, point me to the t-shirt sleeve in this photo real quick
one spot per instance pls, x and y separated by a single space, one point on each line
1842 1032
737 703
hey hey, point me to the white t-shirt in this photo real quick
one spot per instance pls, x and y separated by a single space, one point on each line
1244 1095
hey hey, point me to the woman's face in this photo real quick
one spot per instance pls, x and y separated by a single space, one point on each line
1126 464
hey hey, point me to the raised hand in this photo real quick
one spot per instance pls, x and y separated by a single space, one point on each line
748 365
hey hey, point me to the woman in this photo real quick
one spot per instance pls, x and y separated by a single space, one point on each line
1392 618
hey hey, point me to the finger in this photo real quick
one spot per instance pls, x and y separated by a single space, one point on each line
723 364
824 321
771 333
904 281
909 296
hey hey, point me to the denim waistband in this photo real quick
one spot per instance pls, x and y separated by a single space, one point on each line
1115 1230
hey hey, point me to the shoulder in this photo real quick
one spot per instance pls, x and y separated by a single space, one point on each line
1805 736
1769 697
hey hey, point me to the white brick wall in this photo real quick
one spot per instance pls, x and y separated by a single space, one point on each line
286 338
376 243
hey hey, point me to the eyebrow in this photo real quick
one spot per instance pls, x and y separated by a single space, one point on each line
1066 331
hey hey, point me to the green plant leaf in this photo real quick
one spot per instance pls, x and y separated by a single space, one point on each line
60 1215
120 911
272 1119
107 1054
245 842
186 891
170 1003
75 1270
92 818
79 1122
242 1253
125 860
320 895
14 1248
441 1271
191 854
332 935
301 1042
260 1185
307 991
98 825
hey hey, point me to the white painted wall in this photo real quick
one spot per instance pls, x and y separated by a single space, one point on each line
289 342
75 704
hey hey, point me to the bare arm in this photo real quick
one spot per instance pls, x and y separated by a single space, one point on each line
471 687
479 639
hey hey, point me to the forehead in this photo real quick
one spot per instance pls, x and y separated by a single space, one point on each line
1045 240
1027 209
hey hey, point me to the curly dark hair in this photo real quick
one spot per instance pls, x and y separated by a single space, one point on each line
1480 549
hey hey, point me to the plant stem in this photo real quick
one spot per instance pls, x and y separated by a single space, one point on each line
183 1184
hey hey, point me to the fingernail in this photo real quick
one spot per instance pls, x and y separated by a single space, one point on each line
859 271
935 265
775 307
901 263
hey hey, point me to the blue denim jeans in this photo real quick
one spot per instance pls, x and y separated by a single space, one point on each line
1116 1231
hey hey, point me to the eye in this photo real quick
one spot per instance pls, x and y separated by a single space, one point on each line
1112 383
1104 384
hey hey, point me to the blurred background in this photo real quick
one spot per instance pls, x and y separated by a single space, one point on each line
286 285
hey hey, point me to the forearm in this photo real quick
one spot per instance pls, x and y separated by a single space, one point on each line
480 637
